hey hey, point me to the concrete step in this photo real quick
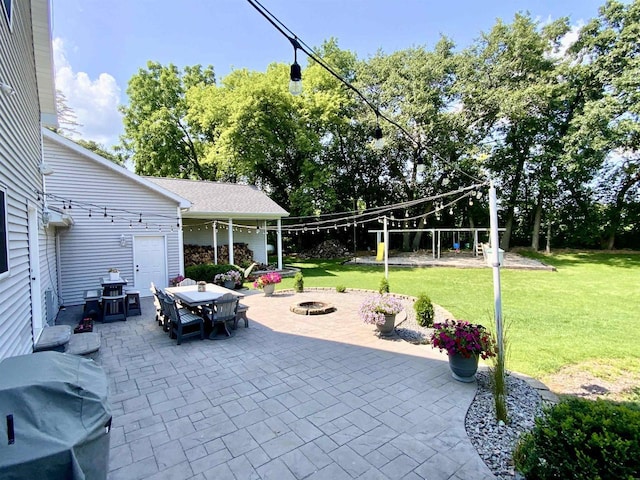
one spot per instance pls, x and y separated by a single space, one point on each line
54 338
60 338
83 343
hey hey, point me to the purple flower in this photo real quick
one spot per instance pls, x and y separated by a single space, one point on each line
375 307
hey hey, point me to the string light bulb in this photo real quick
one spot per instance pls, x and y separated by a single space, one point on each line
295 76
378 140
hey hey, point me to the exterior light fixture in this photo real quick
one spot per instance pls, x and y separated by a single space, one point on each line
295 82
7 89
378 141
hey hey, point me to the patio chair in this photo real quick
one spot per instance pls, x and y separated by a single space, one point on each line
162 315
183 323
187 282
225 309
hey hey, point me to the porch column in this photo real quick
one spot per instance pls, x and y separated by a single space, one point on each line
433 244
215 243
265 242
230 241
279 244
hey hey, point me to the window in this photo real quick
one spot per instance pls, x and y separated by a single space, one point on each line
7 4
4 243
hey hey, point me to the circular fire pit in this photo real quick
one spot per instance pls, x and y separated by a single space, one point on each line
312 308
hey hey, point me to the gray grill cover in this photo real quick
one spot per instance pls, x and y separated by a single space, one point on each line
61 418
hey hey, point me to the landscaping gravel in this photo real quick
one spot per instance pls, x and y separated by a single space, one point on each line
494 441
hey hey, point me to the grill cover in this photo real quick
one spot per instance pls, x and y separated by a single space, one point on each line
60 414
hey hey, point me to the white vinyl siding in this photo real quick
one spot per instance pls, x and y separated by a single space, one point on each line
49 272
20 156
92 245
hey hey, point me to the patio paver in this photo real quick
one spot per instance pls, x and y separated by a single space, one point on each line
290 397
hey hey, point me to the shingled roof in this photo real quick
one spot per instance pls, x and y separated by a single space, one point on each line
218 199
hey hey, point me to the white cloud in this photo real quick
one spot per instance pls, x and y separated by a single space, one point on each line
95 102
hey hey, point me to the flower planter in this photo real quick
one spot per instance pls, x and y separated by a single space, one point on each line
113 276
386 328
463 369
230 284
269 289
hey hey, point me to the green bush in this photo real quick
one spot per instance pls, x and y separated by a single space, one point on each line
341 288
384 285
298 283
207 271
424 310
582 440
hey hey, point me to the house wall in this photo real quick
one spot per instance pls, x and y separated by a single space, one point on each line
48 273
92 244
199 235
20 156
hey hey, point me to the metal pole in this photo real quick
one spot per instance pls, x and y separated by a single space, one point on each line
495 263
230 240
279 241
215 243
386 249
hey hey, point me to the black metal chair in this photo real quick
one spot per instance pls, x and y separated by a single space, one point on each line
183 323
225 310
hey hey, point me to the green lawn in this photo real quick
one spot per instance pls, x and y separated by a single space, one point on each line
588 310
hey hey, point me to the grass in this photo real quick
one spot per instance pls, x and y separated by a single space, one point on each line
587 310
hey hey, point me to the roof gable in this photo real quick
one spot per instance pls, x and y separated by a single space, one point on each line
94 157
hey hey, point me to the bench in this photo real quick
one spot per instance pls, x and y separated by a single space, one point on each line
241 313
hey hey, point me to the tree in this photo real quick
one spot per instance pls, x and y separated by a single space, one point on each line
507 81
608 50
158 135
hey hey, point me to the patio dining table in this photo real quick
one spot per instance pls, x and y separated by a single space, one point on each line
190 296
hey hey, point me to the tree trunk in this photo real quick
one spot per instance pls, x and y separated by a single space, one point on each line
537 220
548 247
418 236
508 228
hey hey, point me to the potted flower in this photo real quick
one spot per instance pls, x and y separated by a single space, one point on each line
464 342
114 274
380 310
176 280
267 282
229 279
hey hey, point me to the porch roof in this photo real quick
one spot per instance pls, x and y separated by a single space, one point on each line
222 200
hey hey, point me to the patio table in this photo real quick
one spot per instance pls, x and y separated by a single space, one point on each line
191 297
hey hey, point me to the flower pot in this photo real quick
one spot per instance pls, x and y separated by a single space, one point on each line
113 276
230 284
386 328
269 289
463 369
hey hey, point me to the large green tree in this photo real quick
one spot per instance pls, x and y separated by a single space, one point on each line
157 135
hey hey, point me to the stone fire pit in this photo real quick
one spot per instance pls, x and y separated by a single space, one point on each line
312 308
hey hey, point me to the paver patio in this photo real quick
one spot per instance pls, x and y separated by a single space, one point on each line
290 397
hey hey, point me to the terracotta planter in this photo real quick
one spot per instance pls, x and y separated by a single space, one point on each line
463 369
386 328
269 289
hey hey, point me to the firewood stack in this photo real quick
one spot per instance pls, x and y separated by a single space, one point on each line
327 249
197 254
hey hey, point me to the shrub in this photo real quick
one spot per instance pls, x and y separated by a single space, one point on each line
582 439
424 310
207 272
298 283
384 286
341 288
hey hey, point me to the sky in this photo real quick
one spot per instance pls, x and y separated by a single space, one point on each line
98 45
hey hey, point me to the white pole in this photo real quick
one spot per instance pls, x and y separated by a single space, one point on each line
433 244
215 243
386 249
230 241
495 262
279 244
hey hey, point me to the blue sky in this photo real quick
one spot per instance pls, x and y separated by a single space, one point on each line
99 45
